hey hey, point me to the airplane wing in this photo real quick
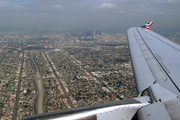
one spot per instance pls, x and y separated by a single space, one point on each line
156 67
118 110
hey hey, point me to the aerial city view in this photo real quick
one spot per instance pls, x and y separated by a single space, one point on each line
56 72
56 62
45 73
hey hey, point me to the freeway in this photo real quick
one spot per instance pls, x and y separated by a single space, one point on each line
40 89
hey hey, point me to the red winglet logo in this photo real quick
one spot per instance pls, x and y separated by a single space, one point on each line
148 24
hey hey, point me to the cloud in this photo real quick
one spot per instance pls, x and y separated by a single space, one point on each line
134 14
161 13
57 6
165 2
8 4
4 2
87 13
121 11
17 6
44 14
137 1
168 0
107 6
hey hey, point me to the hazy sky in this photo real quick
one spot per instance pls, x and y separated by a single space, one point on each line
89 13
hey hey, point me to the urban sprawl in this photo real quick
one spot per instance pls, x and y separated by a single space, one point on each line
42 73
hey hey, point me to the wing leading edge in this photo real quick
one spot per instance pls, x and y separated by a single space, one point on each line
156 67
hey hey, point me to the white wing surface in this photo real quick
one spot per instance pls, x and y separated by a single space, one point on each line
156 65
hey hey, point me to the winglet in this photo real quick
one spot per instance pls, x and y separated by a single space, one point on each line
147 25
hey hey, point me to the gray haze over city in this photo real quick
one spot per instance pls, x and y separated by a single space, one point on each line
89 14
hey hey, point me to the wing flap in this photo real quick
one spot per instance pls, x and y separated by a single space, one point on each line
155 111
